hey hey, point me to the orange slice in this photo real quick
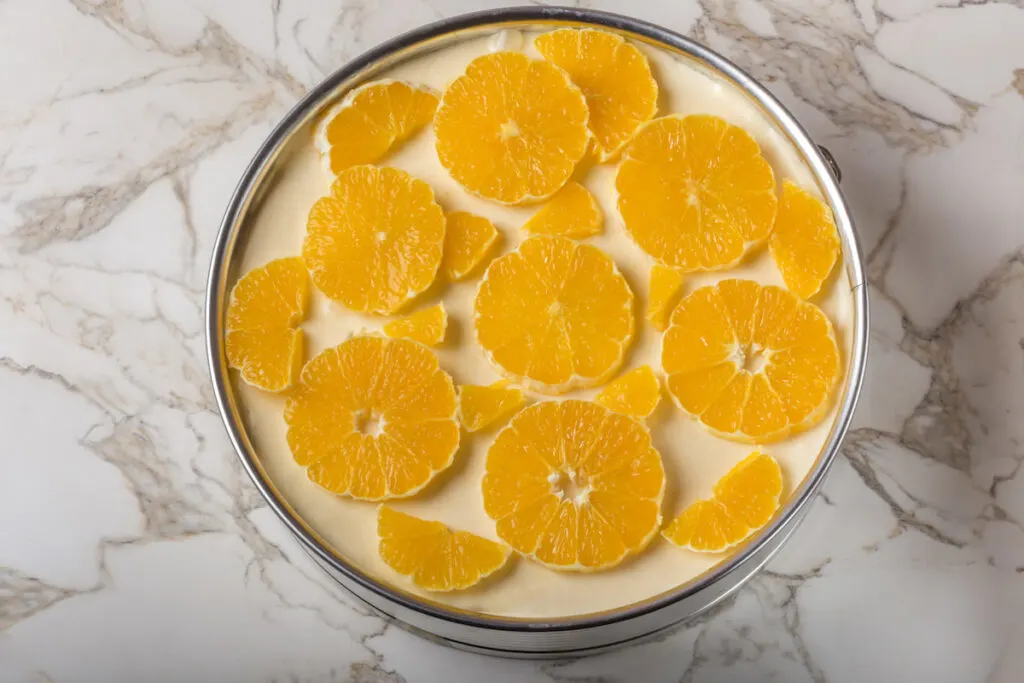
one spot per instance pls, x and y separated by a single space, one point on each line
468 239
375 242
426 326
554 314
744 500
437 558
695 192
482 406
636 393
511 128
371 121
373 418
805 243
574 485
572 212
615 77
665 286
262 338
753 363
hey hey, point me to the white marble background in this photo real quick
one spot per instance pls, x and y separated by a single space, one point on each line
132 548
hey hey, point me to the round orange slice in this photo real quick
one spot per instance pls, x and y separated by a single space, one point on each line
371 121
511 128
434 556
376 241
753 363
615 77
744 500
373 418
554 314
805 243
574 485
695 192
262 338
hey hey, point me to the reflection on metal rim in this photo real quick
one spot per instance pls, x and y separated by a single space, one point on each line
737 568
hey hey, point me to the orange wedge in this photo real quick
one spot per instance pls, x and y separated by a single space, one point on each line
511 128
615 76
373 418
805 243
744 500
753 363
468 239
554 314
695 192
371 121
375 242
426 326
262 338
574 485
635 393
665 286
437 558
572 212
482 406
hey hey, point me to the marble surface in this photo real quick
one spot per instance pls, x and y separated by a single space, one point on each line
133 548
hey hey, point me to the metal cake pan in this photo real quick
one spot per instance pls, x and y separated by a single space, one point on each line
500 635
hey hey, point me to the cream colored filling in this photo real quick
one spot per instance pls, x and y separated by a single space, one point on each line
694 459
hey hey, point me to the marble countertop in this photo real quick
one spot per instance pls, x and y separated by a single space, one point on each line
132 546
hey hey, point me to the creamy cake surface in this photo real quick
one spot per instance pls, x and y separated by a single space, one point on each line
694 459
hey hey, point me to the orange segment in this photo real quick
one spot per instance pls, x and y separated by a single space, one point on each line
574 486
805 243
706 526
753 363
666 284
615 77
373 418
426 326
554 314
468 239
371 121
751 489
511 128
482 406
572 212
744 500
375 242
636 393
695 192
437 558
262 338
